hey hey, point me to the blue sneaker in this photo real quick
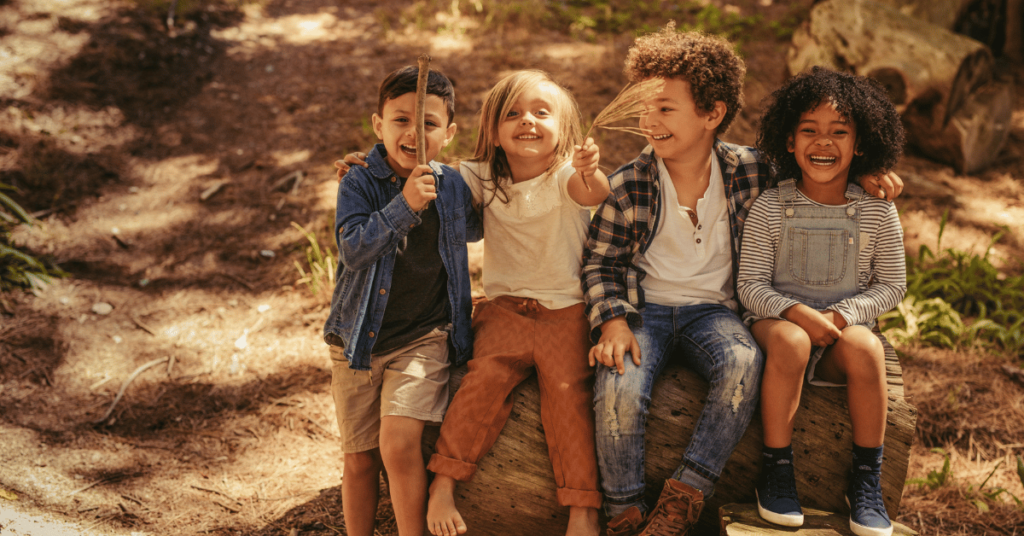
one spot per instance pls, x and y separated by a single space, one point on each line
867 511
777 501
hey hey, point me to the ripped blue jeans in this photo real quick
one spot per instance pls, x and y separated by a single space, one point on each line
708 339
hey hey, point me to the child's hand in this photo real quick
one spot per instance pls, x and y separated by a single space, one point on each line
358 159
616 340
888 186
586 158
819 328
419 188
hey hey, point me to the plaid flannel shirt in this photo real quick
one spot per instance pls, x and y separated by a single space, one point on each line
625 223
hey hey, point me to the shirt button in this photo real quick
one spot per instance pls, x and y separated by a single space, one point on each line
698 241
789 212
413 225
371 334
382 292
393 179
851 211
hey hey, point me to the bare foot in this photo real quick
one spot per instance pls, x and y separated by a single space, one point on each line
582 522
443 519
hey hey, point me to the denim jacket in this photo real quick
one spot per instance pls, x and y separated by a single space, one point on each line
372 217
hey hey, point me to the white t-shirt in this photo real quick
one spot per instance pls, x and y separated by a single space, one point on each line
533 245
687 264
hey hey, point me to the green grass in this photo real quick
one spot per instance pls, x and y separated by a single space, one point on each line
20 268
320 262
957 299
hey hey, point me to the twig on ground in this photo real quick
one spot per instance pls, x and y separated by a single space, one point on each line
236 279
139 323
1015 374
221 493
97 483
128 382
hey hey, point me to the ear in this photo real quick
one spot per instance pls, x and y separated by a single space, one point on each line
789 144
449 134
378 126
715 116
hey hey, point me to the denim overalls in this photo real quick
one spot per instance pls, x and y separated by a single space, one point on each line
818 250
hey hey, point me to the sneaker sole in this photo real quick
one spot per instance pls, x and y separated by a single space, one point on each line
861 530
786 520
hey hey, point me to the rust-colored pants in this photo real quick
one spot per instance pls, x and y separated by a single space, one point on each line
512 336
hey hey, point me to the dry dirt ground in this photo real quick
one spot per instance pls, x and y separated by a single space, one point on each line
116 129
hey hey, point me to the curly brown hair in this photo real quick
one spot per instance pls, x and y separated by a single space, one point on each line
707 62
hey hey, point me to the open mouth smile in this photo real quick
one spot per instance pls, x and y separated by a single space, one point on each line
408 150
822 160
528 137
660 137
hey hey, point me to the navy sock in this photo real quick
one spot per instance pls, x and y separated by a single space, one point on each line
770 456
867 458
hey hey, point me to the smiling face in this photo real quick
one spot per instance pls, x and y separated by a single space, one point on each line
824 145
528 132
396 127
675 127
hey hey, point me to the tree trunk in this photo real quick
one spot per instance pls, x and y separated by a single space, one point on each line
941 82
996 23
514 486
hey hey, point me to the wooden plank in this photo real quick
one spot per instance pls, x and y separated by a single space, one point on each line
743 520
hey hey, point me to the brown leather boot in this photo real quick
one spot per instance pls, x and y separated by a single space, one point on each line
625 524
676 512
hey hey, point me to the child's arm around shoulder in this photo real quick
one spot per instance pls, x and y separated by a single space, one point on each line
589 185
470 207
366 225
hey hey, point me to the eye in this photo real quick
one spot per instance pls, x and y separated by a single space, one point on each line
512 113
401 120
664 109
543 112
430 124
807 130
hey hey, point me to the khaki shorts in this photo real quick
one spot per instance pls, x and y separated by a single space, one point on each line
411 381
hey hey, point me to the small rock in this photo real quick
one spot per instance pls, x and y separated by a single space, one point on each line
267 253
117 339
263 308
64 300
102 308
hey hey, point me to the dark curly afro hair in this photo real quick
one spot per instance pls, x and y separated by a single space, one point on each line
880 136
707 62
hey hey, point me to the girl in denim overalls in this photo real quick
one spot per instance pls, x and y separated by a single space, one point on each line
820 261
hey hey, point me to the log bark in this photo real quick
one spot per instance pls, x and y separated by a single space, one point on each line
996 23
514 485
941 82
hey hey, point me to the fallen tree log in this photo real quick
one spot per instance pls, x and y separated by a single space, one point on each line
941 82
514 485
996 23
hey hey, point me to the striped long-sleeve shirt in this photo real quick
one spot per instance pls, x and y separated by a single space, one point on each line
881 263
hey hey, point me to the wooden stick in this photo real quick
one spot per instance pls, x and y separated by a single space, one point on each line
128 382
421 101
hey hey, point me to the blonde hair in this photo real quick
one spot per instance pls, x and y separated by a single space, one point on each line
496 107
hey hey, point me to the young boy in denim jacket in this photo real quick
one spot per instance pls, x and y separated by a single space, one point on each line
659 274
401 308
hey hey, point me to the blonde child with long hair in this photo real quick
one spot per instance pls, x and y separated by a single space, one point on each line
534 178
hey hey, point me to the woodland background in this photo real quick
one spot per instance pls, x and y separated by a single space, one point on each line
177 179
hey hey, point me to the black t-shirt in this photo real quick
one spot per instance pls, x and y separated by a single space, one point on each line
418 301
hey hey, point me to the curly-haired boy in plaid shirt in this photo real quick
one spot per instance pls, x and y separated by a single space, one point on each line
659 278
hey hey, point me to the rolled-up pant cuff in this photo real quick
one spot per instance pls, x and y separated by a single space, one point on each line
579 497
457 469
